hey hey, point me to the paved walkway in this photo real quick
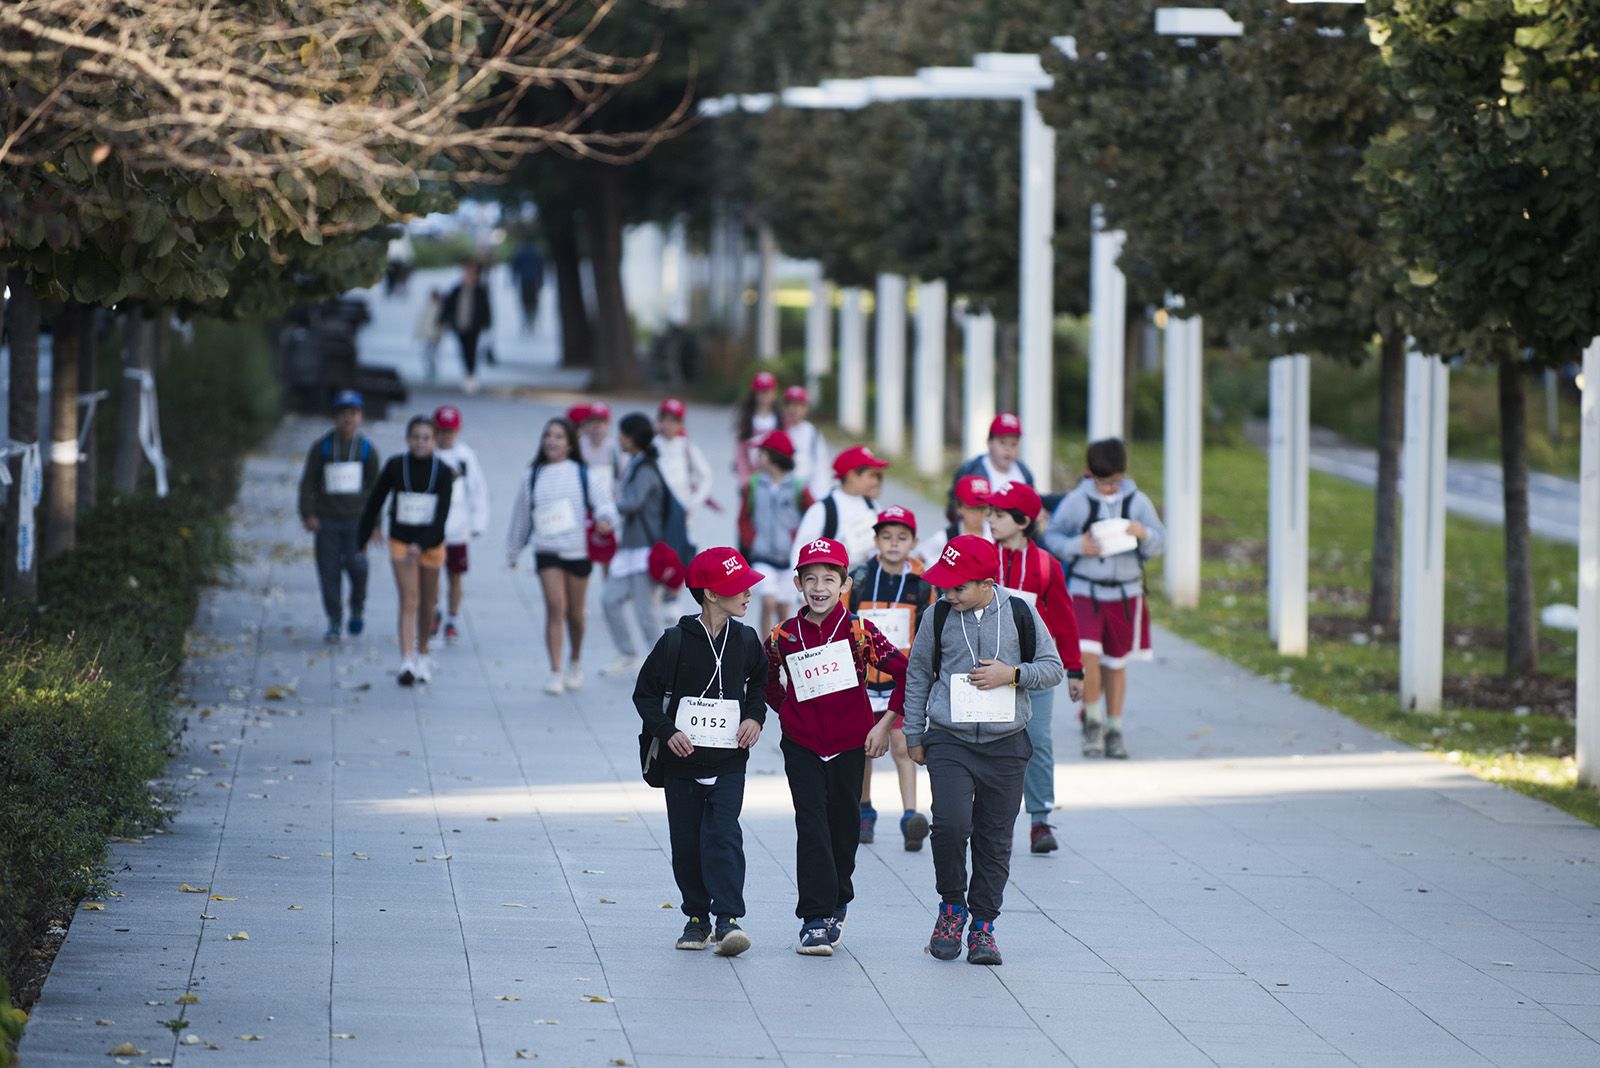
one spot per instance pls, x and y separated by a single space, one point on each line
472 872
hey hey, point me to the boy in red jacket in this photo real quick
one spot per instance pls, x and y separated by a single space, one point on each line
1028 570
817 683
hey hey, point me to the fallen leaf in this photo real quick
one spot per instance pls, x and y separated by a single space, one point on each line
359 855
185 888
607 901
324 854
668 905
93 906
207 916
277 693
191 1040
249 1038
551 1023
104 1023
444 856
219 897
127 1049
155 1003
160 1062
302 760
296 908
276 856
188 999
1503 964
492 819
593 871
512 905
597 999
242 936
507 997
619 1060
524 1055
344 1034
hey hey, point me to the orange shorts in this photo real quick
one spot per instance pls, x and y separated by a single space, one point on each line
434 557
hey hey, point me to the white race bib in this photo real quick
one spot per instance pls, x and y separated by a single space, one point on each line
341 478
1112 536
821 671
1026 597
968 704
893 623
709 723
415 509
555 519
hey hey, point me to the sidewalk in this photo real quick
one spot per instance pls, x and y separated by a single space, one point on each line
473 872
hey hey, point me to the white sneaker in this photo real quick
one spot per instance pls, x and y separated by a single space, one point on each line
554 687
424 669
623 665
471 385
574 676
408 671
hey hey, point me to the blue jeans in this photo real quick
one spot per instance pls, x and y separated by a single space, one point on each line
1039 784
340 553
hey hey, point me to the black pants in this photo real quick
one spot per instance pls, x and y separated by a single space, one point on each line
707 844
339 552
827 825
469 349
975 798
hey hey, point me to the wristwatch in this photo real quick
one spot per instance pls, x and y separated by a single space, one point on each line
1016 677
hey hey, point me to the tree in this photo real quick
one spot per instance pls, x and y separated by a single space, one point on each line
1231 165
1485 176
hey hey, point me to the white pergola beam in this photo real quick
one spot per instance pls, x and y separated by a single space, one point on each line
977 382
1288 516
1108 313
1183 419
933 310
1422 522
1588 709
852 360
819 333
1197 22
890 358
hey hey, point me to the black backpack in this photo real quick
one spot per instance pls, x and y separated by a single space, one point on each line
649 745
1021 614
1094 517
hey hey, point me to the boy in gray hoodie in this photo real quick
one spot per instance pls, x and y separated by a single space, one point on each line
1103 532
966 719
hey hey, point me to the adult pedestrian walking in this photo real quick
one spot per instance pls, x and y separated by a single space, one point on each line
467 311
527 269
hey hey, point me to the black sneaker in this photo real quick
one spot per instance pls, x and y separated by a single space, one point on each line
836 924
1094 743
981 947
730 939
914 828
696 933
814 939
946 941
1115 750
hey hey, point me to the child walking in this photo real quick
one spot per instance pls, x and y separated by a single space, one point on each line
756 416
817 666
701 695
810 449
769 514
967 711
469 513
1029 572
683 465
1104 531
889 592
421 487
340 470
640 501
846 513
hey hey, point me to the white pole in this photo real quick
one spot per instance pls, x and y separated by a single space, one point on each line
819 333
890 357
852 360
1182 415
1108 299
977 383
1036 293
1589 574
1288 543
675 273
766 295
933 307
1422 534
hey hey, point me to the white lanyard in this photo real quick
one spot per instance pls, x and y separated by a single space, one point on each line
877 579
350 453
993 603
799 629
1023 576
717 653
405 473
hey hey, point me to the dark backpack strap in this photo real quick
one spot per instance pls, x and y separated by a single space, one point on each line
830 516
1127 506
941 612
1094 516
1027 636
583 481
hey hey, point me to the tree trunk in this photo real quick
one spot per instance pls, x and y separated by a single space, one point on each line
1382 599
1522 654
577 343
138 352
61 470
24 427
88 382
614 363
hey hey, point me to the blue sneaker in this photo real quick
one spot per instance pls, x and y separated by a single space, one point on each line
836 924
914 828
947 927
331 635
869 824
814 939
357 625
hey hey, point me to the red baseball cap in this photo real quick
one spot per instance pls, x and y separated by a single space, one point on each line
973 491
599 410
763 381
447 417
579 414
674 406
896 514
855 458
823 551
1017 497
1005 425
966 558
796 395
723 571
777 441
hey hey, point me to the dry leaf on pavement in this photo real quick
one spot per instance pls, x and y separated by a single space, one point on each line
185 888
242 936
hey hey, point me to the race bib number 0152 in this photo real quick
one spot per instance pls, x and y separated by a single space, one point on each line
710 723
821 671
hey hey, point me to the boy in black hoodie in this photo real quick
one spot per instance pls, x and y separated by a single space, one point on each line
701 695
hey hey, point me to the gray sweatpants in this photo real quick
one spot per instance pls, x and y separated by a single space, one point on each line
641 590
976 792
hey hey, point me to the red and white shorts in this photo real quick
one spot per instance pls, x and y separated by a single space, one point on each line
1115 631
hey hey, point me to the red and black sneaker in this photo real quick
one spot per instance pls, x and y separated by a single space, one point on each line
946 941
451 634
981 947
438 617
1042 838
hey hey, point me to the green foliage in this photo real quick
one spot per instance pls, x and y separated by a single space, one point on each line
1486 173
12 1020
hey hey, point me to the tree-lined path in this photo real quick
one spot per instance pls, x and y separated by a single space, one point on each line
472 871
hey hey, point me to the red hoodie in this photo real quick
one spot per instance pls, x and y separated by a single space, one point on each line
836 722
1033 569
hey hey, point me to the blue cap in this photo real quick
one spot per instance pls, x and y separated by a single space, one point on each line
347 398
